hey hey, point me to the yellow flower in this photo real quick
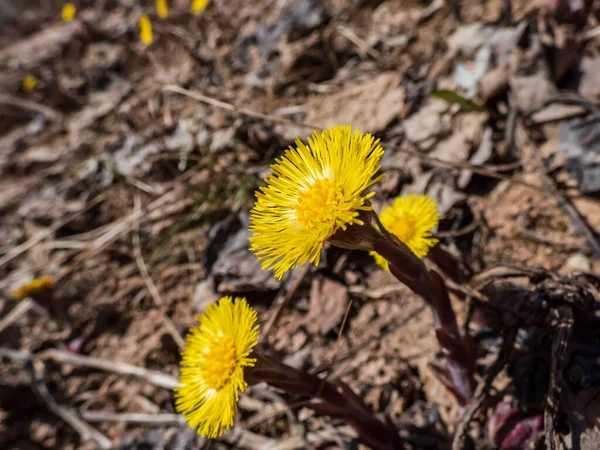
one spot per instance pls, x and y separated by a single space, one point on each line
212 366
68 12
35 286
29 83
162 8
411 219
199 5
145 29
314 191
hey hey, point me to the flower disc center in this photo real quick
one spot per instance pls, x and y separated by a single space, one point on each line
220 363
319 204
403 228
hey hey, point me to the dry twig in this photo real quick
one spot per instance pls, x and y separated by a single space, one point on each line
157 420
462 426
47 232
30 105
283 299
157 378
565 204
41 391
15 314
139 258
479 170
522 224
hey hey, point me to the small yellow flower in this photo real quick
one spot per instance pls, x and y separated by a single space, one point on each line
162 8
212 366
35 286
29 83
145 29
68 12
314 191
411 219
199 5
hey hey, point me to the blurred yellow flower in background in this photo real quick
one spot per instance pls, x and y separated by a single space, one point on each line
212 366
411 219
68 12
199 5
35 286
162 9
145 29
29 83
314 190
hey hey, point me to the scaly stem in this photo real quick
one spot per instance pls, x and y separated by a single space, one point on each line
428 284
334 400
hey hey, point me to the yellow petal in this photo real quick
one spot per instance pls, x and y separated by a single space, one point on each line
145 30
411 219
162 9
212 366
199 5
68 12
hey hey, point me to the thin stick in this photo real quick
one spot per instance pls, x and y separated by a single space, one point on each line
231 107
15 314
565 204
40 389
138 418
85 431
47 232
175 334
338 341
157 378
428 159
362 45
388 327
283 299
462 427
139 258
29 105
145 274
119 227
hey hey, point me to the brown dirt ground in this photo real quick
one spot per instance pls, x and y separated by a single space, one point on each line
99 134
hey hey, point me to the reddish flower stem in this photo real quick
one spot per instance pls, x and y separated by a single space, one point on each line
428 284
336 400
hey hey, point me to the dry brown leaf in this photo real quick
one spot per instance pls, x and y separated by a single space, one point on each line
369 106
328 302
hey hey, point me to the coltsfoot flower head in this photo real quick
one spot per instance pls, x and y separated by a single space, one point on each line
146 35
212 366
35 287
29 83
411 219
67 13
198 6
314 191
162 8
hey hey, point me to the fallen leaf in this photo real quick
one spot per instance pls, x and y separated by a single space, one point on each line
369 106
589 84
431 121
579 142
328 303
531 92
